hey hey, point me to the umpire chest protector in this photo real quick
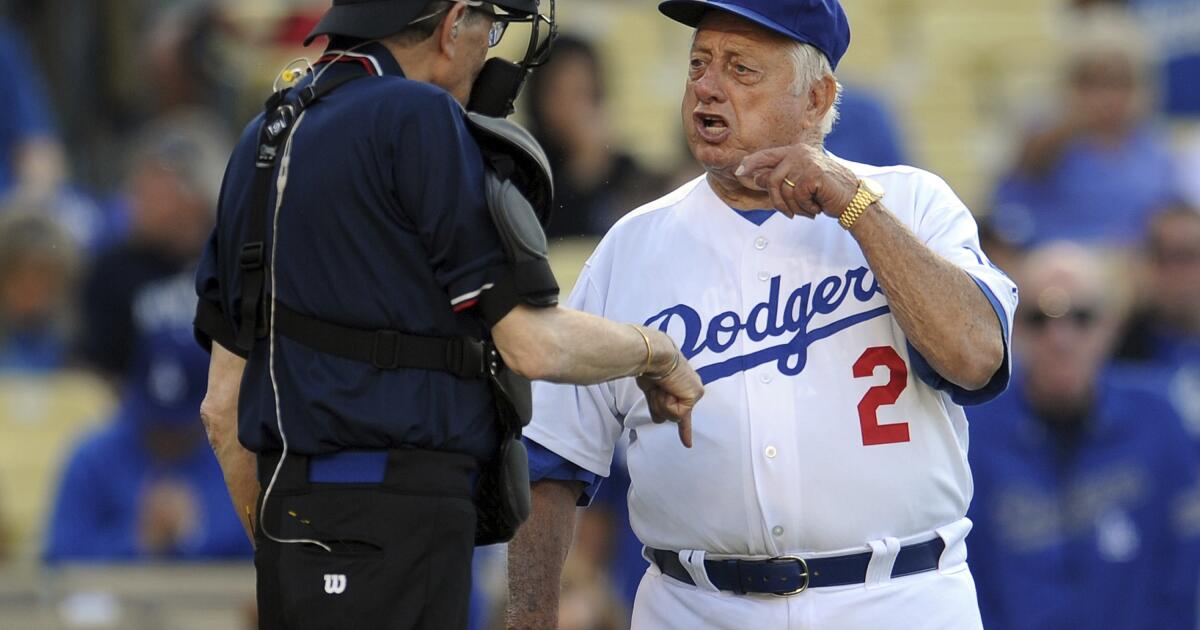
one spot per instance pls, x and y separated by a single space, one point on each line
519 194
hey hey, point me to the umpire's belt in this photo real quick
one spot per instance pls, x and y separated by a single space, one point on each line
789 575
419 471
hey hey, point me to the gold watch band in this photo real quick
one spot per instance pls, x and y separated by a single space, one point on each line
858 205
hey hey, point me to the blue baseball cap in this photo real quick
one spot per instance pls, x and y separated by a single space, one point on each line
819 23
167 380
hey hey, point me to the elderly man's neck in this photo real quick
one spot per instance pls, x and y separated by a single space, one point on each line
416 60
735 195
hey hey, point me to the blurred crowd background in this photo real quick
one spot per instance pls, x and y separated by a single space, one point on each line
1071 127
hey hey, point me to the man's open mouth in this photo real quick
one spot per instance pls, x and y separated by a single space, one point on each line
711 127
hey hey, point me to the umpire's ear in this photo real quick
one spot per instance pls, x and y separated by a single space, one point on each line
449 32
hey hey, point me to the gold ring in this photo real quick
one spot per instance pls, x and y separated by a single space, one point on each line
789 182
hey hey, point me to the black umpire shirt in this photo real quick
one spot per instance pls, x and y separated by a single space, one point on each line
383 226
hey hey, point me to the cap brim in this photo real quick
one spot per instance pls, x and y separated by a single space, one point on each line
366 20
519 7
691 12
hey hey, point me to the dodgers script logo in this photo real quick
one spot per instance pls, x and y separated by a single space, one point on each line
767 320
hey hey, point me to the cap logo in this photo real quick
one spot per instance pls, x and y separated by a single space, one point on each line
168 384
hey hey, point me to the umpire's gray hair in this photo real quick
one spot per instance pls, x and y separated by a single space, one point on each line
812 66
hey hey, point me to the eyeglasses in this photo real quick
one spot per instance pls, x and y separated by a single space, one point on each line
1079 317
495 31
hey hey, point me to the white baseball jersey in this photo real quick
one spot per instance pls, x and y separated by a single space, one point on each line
818 431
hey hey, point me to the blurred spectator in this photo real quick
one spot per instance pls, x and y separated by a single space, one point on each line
183 62
147 485
1085 504
1002 252
31 160
5 543
1188 163
172 188
1098 169
594 183
865 130
588 601
605 536
1174 28
1165 329
33 170
38 265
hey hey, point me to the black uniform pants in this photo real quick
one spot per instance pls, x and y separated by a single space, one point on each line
401 549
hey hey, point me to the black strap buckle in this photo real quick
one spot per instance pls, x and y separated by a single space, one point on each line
307 95
386 355
251 257
465 358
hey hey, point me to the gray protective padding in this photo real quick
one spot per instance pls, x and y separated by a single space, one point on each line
502 139
520 231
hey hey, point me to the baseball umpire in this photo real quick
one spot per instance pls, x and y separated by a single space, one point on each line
375 294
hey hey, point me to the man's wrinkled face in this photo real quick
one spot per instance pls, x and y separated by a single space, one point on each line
739 96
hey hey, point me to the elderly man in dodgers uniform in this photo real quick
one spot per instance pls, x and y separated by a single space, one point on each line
840 315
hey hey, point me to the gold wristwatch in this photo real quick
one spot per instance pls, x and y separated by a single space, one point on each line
869 191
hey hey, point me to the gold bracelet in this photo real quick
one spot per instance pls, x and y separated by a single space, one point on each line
674 364
649 352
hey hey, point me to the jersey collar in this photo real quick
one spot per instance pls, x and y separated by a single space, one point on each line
372 56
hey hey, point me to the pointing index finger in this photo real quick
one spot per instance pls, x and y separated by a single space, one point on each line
754 164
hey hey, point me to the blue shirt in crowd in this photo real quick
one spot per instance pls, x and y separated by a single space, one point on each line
1173 26
26 114
1101 530
1094 193
383 226
155 440
97 511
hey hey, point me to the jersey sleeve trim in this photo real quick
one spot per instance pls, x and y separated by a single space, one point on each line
546 464
960 396
582 458
469 299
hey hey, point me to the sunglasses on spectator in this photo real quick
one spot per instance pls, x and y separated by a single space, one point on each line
1080 317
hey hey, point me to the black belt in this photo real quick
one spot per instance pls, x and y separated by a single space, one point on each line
388 349
789 575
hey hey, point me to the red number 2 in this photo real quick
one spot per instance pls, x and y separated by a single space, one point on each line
868 408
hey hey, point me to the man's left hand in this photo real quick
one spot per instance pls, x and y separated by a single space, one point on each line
801 179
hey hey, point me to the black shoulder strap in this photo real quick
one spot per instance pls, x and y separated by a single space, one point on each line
277 127
385 349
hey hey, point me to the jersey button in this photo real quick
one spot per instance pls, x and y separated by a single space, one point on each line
764 275
777 530
765 377
771 452
760 243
